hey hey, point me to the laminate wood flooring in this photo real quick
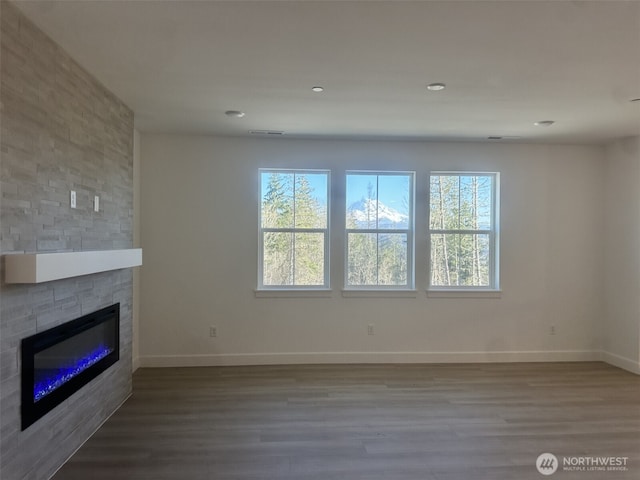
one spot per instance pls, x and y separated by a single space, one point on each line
366 422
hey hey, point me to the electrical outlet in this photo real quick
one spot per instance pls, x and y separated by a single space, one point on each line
74 203
552 330
370 329
213 331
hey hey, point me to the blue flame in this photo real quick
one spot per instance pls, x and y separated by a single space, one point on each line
56 378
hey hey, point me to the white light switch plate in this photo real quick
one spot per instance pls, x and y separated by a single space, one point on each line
96 203
73 199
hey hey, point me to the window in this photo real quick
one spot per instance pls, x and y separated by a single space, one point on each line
294 229
463 230
379 229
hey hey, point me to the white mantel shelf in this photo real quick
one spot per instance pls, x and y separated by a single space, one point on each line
45 267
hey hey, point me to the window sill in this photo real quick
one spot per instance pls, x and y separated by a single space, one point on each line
355 293
319 293
464 293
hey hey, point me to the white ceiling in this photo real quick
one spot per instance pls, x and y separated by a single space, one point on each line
181 64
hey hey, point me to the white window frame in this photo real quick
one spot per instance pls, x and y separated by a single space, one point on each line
263 230
410 232
493 232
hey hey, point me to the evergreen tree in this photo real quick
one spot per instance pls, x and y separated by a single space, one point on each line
292 257
362 267
277 212
309 247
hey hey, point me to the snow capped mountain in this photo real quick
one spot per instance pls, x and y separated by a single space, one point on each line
364 213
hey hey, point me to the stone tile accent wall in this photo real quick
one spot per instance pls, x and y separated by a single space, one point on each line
61 130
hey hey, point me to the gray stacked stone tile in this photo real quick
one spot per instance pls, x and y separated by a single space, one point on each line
60 130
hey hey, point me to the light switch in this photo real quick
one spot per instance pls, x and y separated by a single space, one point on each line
96 203
73 199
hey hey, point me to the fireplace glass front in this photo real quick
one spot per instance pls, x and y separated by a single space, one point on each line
58 362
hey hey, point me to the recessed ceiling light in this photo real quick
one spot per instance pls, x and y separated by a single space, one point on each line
234 113
317 89
435 87
544 123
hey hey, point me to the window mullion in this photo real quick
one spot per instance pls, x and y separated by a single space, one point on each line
406 231
293 258
459 204
293 235
377 228
377 257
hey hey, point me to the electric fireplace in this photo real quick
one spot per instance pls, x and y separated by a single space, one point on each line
58 362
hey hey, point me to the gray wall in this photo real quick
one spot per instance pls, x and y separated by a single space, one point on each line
61 130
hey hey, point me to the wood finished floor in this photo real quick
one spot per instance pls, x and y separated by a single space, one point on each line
373 422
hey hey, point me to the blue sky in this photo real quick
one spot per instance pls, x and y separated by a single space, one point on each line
317 182
392 190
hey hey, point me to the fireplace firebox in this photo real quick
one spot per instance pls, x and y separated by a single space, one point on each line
58 362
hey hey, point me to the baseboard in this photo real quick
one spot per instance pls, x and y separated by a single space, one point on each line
365 357
625 363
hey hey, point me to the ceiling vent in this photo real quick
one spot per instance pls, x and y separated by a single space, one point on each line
265 132
503 137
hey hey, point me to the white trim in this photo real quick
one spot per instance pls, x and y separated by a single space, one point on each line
290 293
378 293
45 267
464 293
625 363
365 357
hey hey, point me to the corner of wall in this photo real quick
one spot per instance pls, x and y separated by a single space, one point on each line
621 321
135 347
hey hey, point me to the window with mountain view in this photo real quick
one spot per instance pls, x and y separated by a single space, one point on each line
379 233
463 230
294 229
